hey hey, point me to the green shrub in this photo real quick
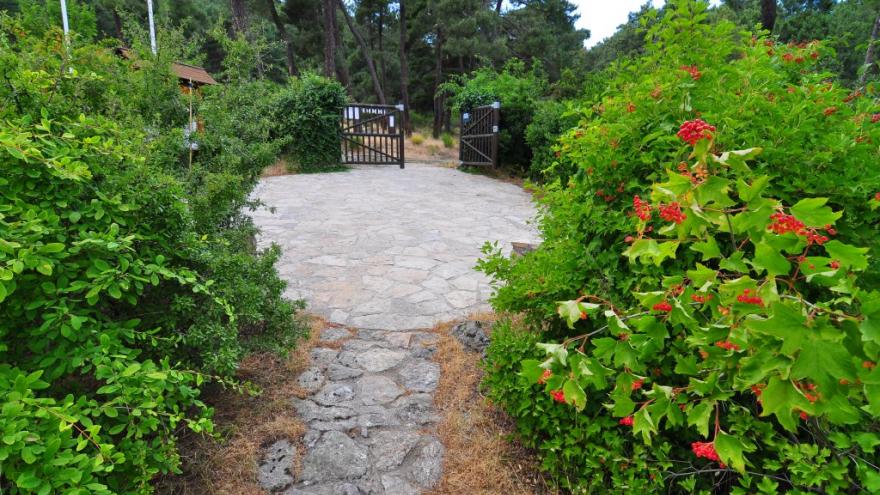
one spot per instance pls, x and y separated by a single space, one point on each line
128 273
817 139
550 121
518 91
417 139
307 113
628 136
448 140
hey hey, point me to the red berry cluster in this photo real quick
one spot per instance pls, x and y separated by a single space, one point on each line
694 130
558 396
662 306
706 450
748 298
692 70
782 224
637 385
545 376
829 111
630 107
696 178
700 298
834 264
869 365
627 421
672 212
877 196
727 345
643 209
875 118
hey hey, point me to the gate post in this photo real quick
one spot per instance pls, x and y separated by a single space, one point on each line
496 122
400 132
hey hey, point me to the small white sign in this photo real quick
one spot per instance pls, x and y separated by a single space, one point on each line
495 129
391 121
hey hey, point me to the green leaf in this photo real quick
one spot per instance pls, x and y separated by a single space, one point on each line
786 323
709 249
782 399
847 255
644 424
575 395
531 369
54 247
702 275
814 213
748 192
767 258
730 450
45 268
714 191
699 416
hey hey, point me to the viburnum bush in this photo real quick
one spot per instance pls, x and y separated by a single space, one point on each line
752 360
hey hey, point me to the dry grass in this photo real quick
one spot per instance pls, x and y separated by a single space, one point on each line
245 424
430 150
280 167
479 458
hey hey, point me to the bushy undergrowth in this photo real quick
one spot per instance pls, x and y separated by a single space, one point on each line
518 91
128 273
308 111
711 310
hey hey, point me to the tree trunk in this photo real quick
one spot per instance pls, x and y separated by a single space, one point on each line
329 38
768 14
365 51
869 54
498 7
439 99
382 72
239 16
117 24
404 71
282 32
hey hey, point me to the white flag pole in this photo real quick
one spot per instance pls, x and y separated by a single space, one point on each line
66 26
152 26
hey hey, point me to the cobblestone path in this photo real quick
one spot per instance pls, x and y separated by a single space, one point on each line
384 254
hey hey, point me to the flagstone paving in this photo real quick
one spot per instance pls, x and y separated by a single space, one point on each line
384 254
390 249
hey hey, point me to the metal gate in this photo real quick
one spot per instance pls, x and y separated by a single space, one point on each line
372 134
478 144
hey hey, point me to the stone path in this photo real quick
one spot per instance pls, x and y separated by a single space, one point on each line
390 249
381 252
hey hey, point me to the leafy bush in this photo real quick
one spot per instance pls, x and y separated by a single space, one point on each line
128 274
518 91
763 333
417 138
817 139
307 112
550 121
448 140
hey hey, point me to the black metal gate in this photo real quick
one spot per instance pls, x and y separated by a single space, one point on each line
478 144
372 134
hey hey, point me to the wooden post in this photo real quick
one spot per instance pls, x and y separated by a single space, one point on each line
496 122
400 132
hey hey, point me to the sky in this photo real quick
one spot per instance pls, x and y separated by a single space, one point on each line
602 17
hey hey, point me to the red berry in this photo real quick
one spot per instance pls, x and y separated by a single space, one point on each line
706 450
834 264
558 396
692 70
672 213
643 209
727 345
545 376
636 385
662 306
695 130
627 421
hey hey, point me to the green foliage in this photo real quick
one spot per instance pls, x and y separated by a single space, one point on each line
763 331
128 273
628 136
809 346
518 91
551 119
307 113
448 140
